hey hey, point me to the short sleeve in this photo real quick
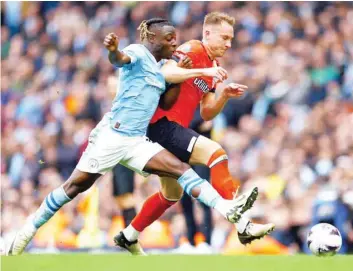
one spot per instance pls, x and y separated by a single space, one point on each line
134 52
190 49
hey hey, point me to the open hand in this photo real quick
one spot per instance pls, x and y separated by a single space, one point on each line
234 90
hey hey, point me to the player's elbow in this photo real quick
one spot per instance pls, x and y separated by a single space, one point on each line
172 78
206 114
206 117
118 60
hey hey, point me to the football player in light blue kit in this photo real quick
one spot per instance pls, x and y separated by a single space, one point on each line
120 136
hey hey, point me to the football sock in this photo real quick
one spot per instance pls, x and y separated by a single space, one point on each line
131 234
129 215
151 210
223 182
222 206
51 204
207 194
221 179
242 223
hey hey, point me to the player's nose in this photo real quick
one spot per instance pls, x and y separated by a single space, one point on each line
174 44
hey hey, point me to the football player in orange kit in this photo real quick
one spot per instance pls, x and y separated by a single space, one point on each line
169 127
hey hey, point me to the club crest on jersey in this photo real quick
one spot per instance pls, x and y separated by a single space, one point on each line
202 85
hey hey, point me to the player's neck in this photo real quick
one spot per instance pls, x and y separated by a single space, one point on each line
152 51
209 51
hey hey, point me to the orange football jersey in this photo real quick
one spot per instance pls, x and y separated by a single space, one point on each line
193 89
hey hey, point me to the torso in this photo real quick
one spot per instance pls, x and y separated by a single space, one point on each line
192 90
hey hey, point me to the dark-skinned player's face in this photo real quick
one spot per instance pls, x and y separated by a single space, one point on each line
164 40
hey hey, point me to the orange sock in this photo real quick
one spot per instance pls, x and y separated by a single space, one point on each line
221 179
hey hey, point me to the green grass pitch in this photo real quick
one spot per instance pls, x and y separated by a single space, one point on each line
110 262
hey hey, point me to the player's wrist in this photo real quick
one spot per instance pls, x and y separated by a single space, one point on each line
224 96
116 51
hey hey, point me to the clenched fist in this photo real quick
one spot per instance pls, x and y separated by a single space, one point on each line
111 42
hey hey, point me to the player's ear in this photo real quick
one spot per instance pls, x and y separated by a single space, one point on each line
151 38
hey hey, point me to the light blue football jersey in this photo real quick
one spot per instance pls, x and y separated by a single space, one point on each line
141 84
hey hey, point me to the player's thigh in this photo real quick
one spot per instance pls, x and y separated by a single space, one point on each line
173 137
171 189
145 157
105 149
203 150
165 164
123 180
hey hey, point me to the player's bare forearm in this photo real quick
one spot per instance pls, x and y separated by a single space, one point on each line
211 105
169 98
175 75
118 58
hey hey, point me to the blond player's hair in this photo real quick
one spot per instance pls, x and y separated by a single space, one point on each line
144 32
146 24
217 18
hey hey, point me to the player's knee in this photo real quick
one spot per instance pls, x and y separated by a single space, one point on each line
207 144
182 168
217 147
177 168
78 183
72 189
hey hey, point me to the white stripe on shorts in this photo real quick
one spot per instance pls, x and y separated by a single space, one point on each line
192 143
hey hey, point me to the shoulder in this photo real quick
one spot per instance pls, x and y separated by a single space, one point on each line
133 46
191 46
136 49
193 49
136 52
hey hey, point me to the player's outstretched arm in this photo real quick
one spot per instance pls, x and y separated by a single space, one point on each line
117 58
212 105
174 74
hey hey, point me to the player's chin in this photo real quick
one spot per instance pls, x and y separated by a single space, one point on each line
169 55
221 53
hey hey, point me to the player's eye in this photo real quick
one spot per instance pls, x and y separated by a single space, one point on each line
169 37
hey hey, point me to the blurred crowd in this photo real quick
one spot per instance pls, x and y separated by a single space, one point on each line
291 134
